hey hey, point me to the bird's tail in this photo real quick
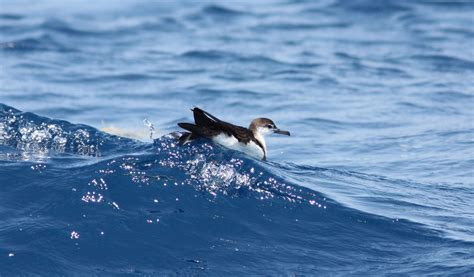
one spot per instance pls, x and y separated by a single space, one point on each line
187 136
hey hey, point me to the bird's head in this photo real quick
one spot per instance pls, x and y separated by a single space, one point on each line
265 126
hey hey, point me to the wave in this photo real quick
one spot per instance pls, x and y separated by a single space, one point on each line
260 60
445 63
31 133
188 209
372 7
221 11
38 43
10 16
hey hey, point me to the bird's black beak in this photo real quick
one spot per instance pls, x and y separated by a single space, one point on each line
281 132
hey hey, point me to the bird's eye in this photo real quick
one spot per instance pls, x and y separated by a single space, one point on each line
269 126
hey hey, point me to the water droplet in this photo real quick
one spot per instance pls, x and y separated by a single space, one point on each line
74 235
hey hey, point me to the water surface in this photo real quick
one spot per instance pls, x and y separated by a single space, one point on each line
377 177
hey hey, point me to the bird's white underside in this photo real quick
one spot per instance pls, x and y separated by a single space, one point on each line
251 148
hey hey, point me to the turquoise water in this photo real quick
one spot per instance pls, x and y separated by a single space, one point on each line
377 177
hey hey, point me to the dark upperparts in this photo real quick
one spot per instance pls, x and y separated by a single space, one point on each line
208 126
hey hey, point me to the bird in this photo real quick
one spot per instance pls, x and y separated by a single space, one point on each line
247 140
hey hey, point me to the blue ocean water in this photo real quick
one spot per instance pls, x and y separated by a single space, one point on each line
376 179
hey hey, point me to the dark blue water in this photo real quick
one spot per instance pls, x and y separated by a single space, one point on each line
377 177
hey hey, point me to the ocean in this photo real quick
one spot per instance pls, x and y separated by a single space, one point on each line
377 177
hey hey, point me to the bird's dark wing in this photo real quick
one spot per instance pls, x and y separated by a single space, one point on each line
198 131
204 126
240 133
206 120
